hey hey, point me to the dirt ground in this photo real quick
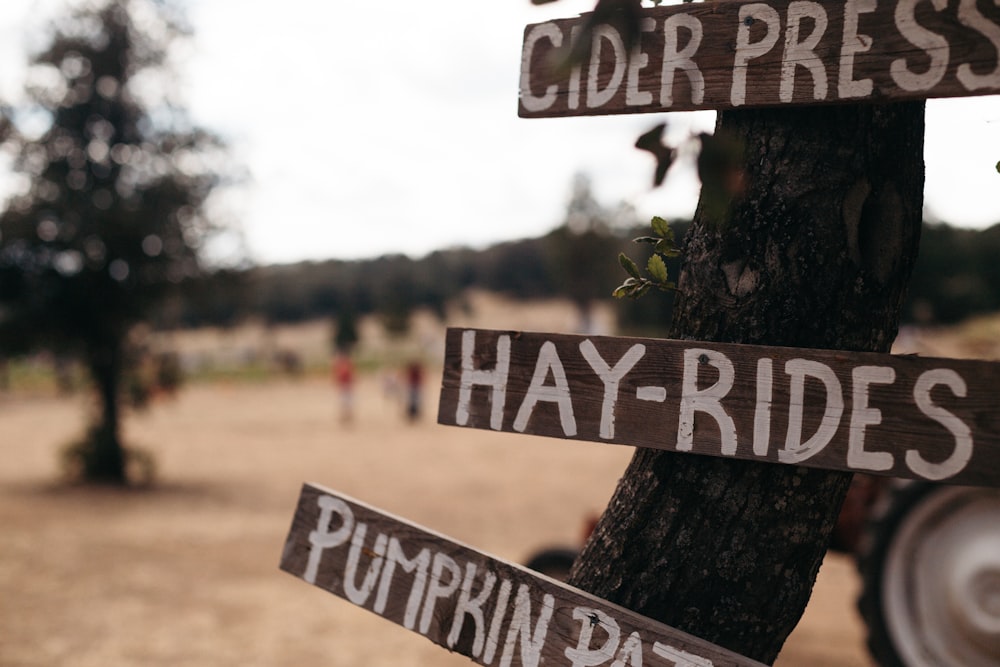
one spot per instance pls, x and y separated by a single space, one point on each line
186 573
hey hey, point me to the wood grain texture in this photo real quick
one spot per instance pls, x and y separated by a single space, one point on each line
489 610
719 55
903 416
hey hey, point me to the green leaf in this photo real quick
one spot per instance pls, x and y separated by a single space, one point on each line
661 227
668 235
647 239
629 266
657 268
628 288
667 248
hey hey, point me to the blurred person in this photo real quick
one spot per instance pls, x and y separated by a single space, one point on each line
343 379
414 384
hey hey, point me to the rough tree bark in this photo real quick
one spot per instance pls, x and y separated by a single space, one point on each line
814 252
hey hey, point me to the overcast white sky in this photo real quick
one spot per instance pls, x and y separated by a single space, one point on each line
391 126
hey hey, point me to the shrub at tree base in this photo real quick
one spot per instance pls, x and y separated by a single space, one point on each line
99 451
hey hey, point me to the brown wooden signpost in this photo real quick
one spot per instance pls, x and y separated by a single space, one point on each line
495 613
905 416
719 55
933 419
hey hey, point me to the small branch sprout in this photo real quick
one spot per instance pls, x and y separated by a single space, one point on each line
664 247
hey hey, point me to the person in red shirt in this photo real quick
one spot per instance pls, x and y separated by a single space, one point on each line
343 379
414 383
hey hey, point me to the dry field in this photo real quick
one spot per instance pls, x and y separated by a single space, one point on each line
186 572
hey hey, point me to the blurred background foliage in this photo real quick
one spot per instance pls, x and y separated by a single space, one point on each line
957 276
577 260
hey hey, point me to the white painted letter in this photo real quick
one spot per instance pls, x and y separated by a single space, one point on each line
674 59
933 44
969 16
532 102
360 595
631 653
548 360
795 450
499 611
706 400
573 99
611 377
596 97
435 589
418 566
633 96
471 376
680 658
852 44
583 655
862 416
520 628
959 429
802 52
747 51
322 538
473 606
762 415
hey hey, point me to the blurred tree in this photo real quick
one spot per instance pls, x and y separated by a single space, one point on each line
216 298
396 294
112 211
345 335
956 275
581 266
516 268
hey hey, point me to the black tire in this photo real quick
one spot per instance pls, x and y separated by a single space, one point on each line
554 563
930 573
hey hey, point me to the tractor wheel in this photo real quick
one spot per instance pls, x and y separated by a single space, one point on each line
930 571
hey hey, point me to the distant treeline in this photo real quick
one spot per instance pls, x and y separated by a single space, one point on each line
957 275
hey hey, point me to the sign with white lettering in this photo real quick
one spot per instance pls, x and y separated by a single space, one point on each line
718 55
494 612
904 416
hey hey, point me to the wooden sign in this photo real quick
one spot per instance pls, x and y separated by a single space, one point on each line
495 613
719 55
904 416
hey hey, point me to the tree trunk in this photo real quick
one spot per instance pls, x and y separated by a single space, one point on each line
812 249
104 455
